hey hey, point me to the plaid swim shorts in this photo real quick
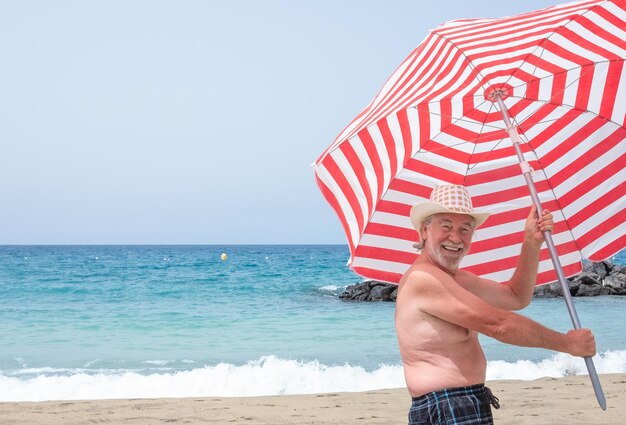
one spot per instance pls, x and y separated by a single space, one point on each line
455 406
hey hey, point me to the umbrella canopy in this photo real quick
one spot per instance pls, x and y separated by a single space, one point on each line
559 74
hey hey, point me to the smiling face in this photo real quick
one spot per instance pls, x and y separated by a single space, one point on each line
447 238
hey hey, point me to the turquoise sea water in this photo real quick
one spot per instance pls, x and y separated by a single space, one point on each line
165 321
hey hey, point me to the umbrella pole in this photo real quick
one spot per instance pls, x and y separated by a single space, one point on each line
527 171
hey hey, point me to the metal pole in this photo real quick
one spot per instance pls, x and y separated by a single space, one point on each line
527 172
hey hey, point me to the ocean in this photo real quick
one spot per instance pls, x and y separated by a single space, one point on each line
96 322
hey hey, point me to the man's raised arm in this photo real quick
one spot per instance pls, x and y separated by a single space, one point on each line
524 278
517 292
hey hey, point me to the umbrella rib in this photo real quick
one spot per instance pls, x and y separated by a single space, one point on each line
540 44
456 120
491 107
590 68
483 125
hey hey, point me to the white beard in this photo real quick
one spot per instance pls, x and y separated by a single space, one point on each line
446 259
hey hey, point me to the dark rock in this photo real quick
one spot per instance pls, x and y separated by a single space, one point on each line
586 279
394 294
370 290
380 293
353 292
616 282
574 285
551 290
590 283
592 290
598 270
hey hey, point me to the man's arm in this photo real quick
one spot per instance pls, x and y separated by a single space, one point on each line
517 292
440 296
523 281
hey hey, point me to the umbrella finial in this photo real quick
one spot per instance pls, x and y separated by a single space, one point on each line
501 90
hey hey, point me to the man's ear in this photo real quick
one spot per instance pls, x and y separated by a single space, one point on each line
422 232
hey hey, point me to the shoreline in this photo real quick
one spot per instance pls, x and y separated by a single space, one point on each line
568 400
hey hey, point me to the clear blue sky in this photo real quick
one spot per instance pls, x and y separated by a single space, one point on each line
190 122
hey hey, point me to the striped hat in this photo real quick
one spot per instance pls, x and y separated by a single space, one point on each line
450 198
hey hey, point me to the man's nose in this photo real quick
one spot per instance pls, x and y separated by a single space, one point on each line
455 236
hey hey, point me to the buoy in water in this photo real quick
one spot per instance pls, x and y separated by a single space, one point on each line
224 257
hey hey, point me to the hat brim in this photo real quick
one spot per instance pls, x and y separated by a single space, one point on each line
423 210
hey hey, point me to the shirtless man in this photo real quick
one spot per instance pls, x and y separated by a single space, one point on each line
440 310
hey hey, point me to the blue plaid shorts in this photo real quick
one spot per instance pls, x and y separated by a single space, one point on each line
455 406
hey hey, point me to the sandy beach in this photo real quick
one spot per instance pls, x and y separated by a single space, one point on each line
546 401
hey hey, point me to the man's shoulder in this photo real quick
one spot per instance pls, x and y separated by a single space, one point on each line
420 274
418 270
426 274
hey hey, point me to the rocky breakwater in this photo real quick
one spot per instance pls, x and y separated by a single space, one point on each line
602 278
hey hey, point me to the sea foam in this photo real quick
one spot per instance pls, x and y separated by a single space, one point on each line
267 376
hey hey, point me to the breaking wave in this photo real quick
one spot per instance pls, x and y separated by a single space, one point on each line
267 376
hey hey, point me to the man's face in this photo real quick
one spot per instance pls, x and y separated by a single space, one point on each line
448 239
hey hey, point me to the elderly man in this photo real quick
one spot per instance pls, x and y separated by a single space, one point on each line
440 310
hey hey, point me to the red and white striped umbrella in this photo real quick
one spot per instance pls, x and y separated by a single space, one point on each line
560 75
